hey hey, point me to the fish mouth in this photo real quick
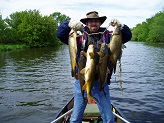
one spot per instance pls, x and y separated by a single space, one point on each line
91 46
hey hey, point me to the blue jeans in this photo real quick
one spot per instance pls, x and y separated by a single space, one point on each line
104 103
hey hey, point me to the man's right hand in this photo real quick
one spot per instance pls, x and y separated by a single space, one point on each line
75 25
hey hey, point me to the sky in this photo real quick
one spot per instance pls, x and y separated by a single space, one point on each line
129 12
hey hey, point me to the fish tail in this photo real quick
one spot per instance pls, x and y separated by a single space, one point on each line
72 73
113 63
73 68
114 67
89 95
84 86
91 98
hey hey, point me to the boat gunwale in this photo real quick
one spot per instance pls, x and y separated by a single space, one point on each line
69 106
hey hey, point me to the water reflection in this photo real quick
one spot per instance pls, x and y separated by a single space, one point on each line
142 96
36 83
32 78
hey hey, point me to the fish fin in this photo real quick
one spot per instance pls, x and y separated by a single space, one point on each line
113 64
108 45
91 98
72 73
84 86
87 70
83 53
98 53
74 68
108 71
83 77
82 71
91 55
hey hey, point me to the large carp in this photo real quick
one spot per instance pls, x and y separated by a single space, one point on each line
89 71
103 64
115 47
72 43
81 65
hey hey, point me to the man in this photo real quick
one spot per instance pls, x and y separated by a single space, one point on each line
93 23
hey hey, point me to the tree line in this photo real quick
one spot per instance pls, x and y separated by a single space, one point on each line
31 28
152 30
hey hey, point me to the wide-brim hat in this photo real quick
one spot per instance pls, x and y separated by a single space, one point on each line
93 15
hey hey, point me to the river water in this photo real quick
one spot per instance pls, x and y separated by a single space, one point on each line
36 83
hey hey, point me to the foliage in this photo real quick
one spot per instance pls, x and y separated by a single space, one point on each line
2 28
150 31
59 17
31 28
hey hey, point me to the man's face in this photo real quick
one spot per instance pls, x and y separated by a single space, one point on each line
93 25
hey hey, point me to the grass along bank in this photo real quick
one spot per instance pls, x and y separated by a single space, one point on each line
155 44
7 47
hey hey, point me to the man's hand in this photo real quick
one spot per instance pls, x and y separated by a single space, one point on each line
75 25
115 22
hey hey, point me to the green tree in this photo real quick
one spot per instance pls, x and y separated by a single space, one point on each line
13 22
33 29
136 32
2 29
152 30
156 34
142 36
59 18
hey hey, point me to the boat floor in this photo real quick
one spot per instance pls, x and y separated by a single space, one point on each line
92 114
91 110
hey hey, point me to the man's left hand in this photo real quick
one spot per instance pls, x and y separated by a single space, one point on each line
115 22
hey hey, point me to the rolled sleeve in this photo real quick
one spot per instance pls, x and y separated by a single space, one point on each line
126 34
63 32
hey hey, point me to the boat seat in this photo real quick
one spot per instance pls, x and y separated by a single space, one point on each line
91 110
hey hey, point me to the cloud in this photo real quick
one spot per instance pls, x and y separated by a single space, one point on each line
130 12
